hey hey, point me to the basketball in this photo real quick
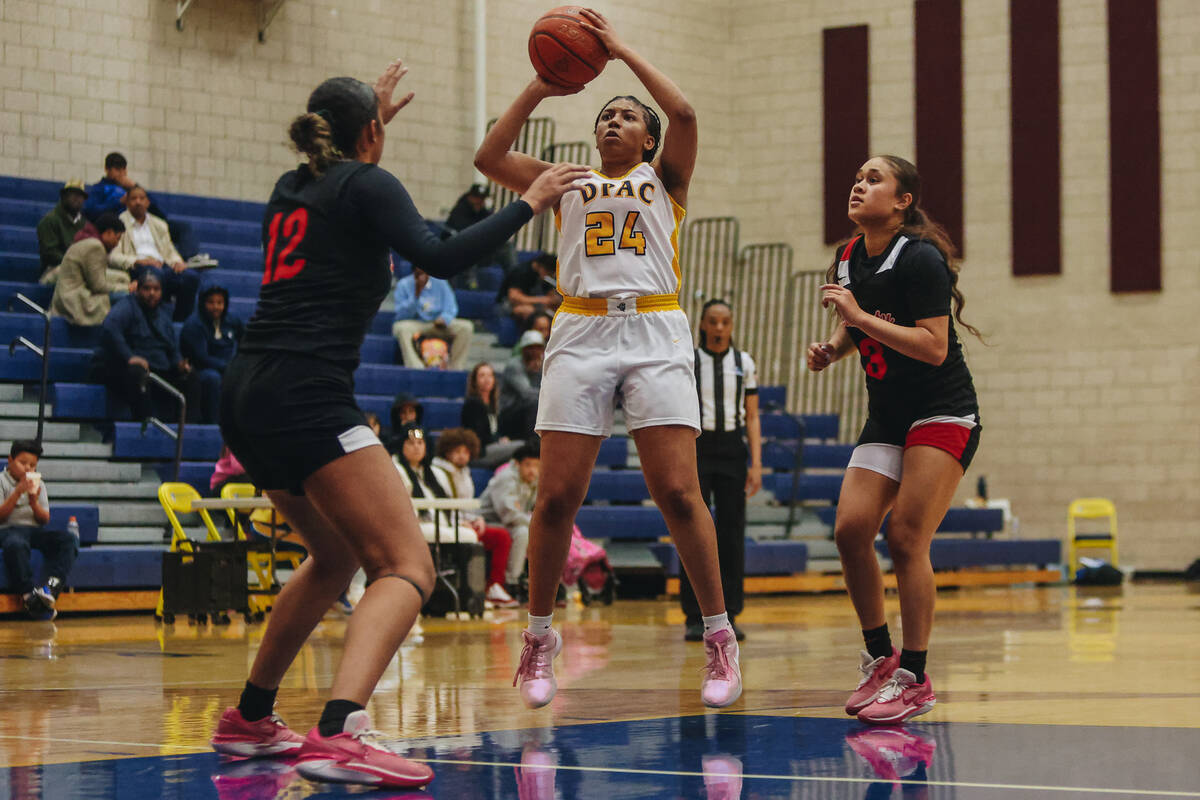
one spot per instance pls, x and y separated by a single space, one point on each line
564 52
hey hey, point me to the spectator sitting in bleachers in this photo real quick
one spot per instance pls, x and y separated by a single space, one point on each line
426 306
108 195
147 243
84 284
539 321
138 338
520 386
56 231
470 209
456 447
508 501
481 415
529 287
24 512
422 480
210 335
406 411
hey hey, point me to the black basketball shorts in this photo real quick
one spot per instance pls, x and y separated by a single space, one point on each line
286 415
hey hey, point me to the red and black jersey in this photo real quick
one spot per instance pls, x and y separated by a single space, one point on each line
326 245
908 281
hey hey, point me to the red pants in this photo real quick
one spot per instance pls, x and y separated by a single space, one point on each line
497 542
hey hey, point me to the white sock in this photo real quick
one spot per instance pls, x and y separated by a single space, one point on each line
716 622
540 626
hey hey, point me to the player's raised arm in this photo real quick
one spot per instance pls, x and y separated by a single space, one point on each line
495 157
678 157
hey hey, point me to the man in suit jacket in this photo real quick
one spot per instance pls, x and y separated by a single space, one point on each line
147 243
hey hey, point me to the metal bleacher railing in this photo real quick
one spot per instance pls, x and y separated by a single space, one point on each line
42 352
177 434
537 135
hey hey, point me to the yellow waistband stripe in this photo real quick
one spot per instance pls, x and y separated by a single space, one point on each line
602 306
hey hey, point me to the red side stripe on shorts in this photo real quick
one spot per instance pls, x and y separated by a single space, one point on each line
942 435
849 247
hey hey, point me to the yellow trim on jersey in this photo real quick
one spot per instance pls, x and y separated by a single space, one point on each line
622 177
680 213
557 218
598 306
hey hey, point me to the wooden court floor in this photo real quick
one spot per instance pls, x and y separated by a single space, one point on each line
1063 691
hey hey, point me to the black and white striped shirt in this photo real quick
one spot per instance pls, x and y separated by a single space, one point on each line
722 382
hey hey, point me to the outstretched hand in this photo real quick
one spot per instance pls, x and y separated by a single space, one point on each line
386 85
552 184
596 23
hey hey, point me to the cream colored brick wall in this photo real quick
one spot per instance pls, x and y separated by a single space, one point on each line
1083 392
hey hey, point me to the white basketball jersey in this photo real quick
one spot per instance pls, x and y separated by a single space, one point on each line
619 236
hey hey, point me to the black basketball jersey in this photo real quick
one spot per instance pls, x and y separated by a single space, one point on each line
908 281
326 247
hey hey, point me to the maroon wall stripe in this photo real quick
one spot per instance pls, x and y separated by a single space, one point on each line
939 112
846 63
1036 143
1136 210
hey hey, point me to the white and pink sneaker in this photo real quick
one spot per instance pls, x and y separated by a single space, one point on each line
535 673
875 673
269 736
722 683
535 776
900 698
356 755
722 777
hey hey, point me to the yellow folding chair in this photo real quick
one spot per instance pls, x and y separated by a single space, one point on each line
176 499
258 562
1090 508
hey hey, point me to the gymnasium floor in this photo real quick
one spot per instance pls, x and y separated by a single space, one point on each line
1043 693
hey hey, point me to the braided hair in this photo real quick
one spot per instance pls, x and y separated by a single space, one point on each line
649 116
337 112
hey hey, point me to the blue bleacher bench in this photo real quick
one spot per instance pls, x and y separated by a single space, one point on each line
957 520
957 552
66 364
390 380
478 304
107 567
786 426
34 291
27 213
762 558
781 454
807 487
20 266
771 397
618 486
621 522
200 443
88 518
33 328
85 401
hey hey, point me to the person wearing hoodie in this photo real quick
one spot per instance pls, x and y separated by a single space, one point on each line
56 231
137 338
406 411
210 335
508 501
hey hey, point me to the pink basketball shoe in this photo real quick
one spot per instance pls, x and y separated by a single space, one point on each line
899 699
356 755
535 673
269 736
893 753
875 673
722 683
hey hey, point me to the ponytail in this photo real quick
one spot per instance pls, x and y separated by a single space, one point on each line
312 136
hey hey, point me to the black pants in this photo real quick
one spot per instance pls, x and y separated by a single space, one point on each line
721 458
59 550
202 388
517 420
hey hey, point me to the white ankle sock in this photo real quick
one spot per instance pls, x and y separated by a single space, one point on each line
715 622
540 626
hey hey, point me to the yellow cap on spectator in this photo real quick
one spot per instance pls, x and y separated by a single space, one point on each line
73 185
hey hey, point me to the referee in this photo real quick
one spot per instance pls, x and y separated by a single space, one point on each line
727 384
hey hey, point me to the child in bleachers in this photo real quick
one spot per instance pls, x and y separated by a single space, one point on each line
24 512
456 448
508 501
210 335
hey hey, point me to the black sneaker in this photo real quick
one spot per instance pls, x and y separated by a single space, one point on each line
693 631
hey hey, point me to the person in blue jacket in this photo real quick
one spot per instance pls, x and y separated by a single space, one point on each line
137 338
210 335
426 306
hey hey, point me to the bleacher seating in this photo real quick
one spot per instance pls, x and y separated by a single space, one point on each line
107 567
131 443
762 558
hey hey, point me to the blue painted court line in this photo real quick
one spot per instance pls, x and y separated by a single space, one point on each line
710 756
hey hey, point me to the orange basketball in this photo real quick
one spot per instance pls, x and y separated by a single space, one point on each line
562 51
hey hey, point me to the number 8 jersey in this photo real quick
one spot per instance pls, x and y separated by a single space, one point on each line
619 237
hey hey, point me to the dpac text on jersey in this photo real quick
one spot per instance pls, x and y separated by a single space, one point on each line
644 191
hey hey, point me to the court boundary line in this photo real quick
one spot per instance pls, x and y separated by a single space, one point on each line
820 779
675 773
